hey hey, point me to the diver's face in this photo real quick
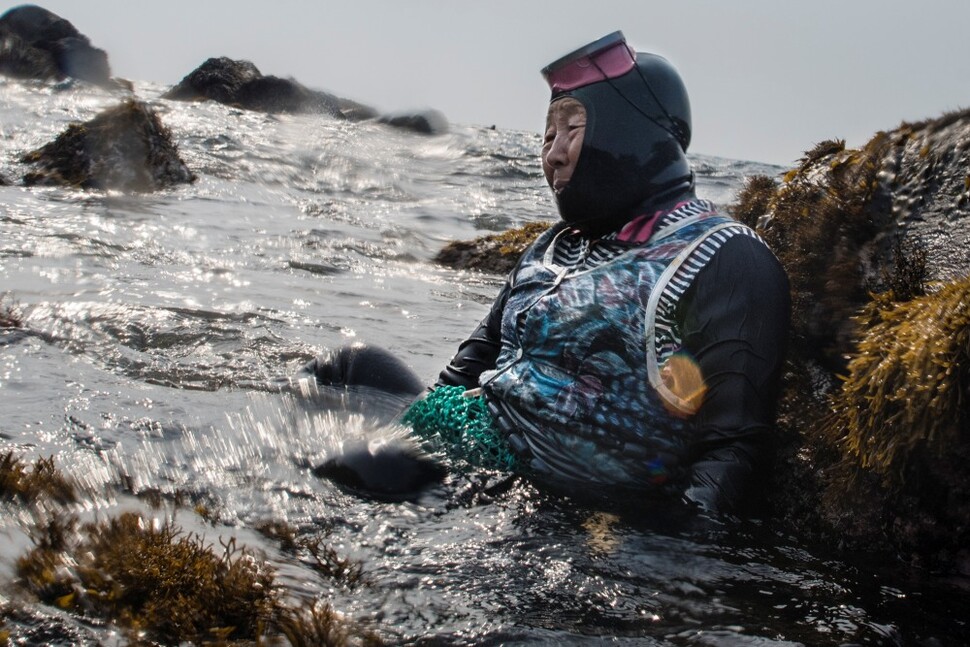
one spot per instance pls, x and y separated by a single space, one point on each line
565 129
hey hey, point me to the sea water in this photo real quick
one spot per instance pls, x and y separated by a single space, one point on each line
161 333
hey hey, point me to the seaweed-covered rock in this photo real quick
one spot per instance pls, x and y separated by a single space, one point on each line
426 122
874 412
125 148
900 424
240 83
38 44
496 253
849 222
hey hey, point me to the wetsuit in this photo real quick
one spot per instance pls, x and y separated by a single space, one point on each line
732 319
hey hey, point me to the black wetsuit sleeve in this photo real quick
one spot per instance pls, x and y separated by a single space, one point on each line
735 319
480 351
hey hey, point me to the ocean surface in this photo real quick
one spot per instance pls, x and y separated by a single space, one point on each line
161 332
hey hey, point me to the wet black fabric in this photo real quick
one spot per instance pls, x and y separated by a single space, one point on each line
390 473
366 366
734 322
480 351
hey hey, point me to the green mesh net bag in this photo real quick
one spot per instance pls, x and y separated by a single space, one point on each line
460 426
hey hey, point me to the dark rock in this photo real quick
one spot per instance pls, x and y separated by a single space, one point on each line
19 59
273 94
77 59
125 148
426 122
9 315
37 44
240 83
218 79
354 111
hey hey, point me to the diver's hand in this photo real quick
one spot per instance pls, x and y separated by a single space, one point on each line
363 366
390 473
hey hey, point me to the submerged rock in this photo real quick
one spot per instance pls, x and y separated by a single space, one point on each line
875 242
426 122
125 148
240 83
38 44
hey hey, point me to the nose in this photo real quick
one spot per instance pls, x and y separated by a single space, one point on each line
558 154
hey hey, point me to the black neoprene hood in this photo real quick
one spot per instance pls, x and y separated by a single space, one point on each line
634 153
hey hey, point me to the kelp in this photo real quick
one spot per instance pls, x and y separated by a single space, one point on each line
906 278
322 557
162 584
43 480
151 578
754 200
874 391
316 624
819 221
905 394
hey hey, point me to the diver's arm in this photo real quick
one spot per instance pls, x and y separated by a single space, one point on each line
479 352
735 319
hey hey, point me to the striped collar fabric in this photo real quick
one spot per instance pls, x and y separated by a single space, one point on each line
577 252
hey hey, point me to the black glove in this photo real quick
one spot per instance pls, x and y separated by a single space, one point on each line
391 473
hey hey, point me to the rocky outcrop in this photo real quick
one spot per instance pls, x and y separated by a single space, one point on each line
218 79
875 413
37 44
240 83
123 148
425 122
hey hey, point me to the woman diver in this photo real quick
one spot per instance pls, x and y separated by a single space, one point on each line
637 345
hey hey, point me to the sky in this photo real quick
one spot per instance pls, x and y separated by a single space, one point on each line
768 79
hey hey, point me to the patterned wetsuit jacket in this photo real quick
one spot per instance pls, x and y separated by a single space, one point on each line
578 384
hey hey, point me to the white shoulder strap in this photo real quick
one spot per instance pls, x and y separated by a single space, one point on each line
653 365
